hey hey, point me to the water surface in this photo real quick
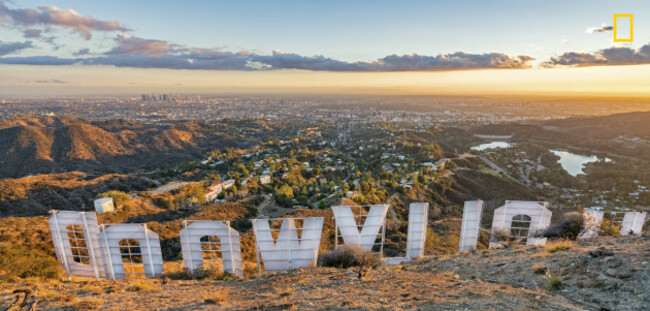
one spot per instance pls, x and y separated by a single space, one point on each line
574 164
493 145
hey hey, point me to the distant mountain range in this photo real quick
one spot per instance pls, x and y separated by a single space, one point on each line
59 144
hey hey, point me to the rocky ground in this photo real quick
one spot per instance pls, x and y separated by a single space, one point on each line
608 273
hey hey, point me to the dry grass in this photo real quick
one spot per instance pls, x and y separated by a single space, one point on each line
55 283
141 286
57 295
92 289
214 296
20 262
88 303
250 268
558 246
173 266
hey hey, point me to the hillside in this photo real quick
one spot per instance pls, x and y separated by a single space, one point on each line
630 124
34 196
55 145
608 273
625 134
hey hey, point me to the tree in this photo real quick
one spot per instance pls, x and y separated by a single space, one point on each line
284 195
214 177
445 184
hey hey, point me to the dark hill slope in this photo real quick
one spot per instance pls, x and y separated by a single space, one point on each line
56 145
623 134
36 195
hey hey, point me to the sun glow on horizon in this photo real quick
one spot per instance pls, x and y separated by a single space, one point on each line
25 80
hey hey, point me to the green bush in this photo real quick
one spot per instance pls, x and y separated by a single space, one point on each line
22 262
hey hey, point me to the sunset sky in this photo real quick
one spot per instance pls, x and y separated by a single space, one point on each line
388 47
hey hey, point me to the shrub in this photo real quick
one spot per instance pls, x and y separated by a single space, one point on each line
553 282
119 197
607 227
22 262
566 229
500 236
213 274
558 246
347 256
183 274
213 296
200 274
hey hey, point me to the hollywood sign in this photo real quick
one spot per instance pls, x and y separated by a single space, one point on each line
115 251
521 220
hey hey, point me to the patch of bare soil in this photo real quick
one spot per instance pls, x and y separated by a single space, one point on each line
606 273
599 274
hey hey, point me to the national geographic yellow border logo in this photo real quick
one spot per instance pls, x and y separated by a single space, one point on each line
616 38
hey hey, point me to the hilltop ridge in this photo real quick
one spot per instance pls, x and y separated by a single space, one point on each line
607 273
61 144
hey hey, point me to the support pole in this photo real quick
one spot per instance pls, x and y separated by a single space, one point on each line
64 255
151 265
257 253
232 251
189 243
109 256
89 246
292 225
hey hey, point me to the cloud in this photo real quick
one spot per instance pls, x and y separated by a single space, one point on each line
82 52
458 60
132 51
127 44
257 65
32 33
281 60
54 16
56 81
609 56
136 52
603 28
12 47
38 60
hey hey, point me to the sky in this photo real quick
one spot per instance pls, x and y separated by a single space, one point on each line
415 47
